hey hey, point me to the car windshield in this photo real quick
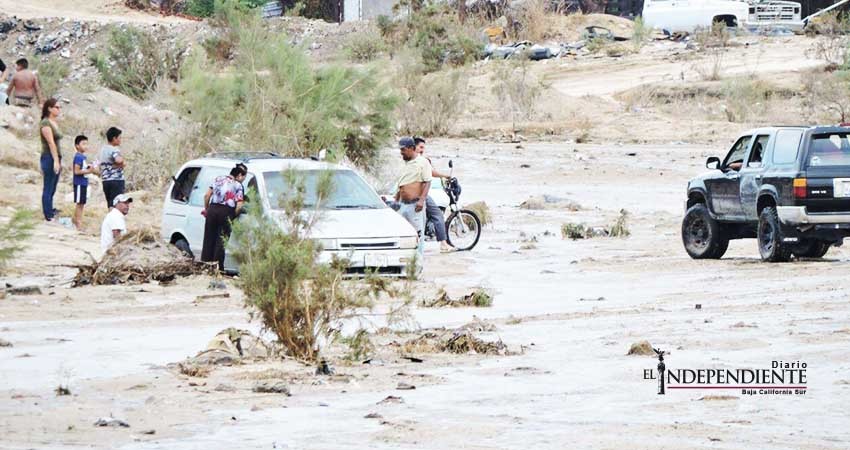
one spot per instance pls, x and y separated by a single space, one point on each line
348 190
829 150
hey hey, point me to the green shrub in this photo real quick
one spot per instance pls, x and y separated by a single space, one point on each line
641 33
297 298
573 231
433 101
272 98
50 76
136 60
364 47
207 8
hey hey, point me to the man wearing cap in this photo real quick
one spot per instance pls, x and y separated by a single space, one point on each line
114 224
413 187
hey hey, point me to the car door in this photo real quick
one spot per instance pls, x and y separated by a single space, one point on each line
177 198
751 174
195 221
725 192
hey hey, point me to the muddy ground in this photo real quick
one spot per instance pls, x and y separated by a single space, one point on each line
574 306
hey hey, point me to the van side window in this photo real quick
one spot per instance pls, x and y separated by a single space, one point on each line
787 144
184 184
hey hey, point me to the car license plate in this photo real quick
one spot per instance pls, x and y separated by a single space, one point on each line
373 260
841 187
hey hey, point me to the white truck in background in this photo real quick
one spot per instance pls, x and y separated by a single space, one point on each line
689 15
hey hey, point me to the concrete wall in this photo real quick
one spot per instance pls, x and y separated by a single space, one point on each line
367 9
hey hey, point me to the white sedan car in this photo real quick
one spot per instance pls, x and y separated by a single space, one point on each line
355 223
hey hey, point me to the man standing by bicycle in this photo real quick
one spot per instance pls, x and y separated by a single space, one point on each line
433 213
413 186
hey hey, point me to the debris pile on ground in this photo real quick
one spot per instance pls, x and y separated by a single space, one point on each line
230 346
111 422
642 348
620 228
477 298
266 387
550 202
460 341
139 257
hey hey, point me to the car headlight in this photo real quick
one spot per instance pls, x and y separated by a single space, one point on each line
329 244
408 242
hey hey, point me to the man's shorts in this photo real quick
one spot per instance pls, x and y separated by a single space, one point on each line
80 194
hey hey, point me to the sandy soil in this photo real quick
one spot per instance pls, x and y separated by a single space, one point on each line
99 10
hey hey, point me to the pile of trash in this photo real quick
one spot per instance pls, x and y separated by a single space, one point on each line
34 35
139 257
537 52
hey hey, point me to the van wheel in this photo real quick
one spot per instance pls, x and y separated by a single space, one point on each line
771 247
811 248
183 245
703 237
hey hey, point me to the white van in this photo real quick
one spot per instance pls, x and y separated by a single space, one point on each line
355 223
689 15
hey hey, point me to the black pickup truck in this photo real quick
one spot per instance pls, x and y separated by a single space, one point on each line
789 187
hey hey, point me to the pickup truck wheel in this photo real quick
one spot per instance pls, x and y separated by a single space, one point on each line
771 246
811 248
702 236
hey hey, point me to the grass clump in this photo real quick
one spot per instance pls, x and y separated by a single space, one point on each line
482 210
272 98
50 76
826 96
136 60
13 235
360 346
641 34
364 47
620 227
574 231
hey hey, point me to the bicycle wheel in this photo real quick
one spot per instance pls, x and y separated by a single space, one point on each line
463 229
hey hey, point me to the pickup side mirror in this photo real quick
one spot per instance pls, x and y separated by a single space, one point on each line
712 162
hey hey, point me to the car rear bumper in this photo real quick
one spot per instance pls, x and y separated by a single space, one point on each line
798 215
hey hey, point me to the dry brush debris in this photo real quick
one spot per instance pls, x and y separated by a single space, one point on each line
139 257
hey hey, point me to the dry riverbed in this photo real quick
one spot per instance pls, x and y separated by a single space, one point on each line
571 309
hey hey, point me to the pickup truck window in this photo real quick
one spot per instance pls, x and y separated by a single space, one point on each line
787 144
759 147
735 158
829 150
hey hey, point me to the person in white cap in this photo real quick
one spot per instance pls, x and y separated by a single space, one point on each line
114 224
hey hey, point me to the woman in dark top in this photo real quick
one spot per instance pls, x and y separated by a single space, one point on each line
223 202
51 158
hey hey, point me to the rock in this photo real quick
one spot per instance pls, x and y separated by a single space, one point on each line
391 399
405 387
5 343
642 348
224 388
272 388
373 416
148 432
324 369
111 422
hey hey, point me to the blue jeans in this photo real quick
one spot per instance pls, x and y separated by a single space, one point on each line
51 180
435 216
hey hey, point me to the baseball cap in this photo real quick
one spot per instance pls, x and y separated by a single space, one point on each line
122 198
406 142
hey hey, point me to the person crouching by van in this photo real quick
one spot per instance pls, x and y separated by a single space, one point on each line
222 203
